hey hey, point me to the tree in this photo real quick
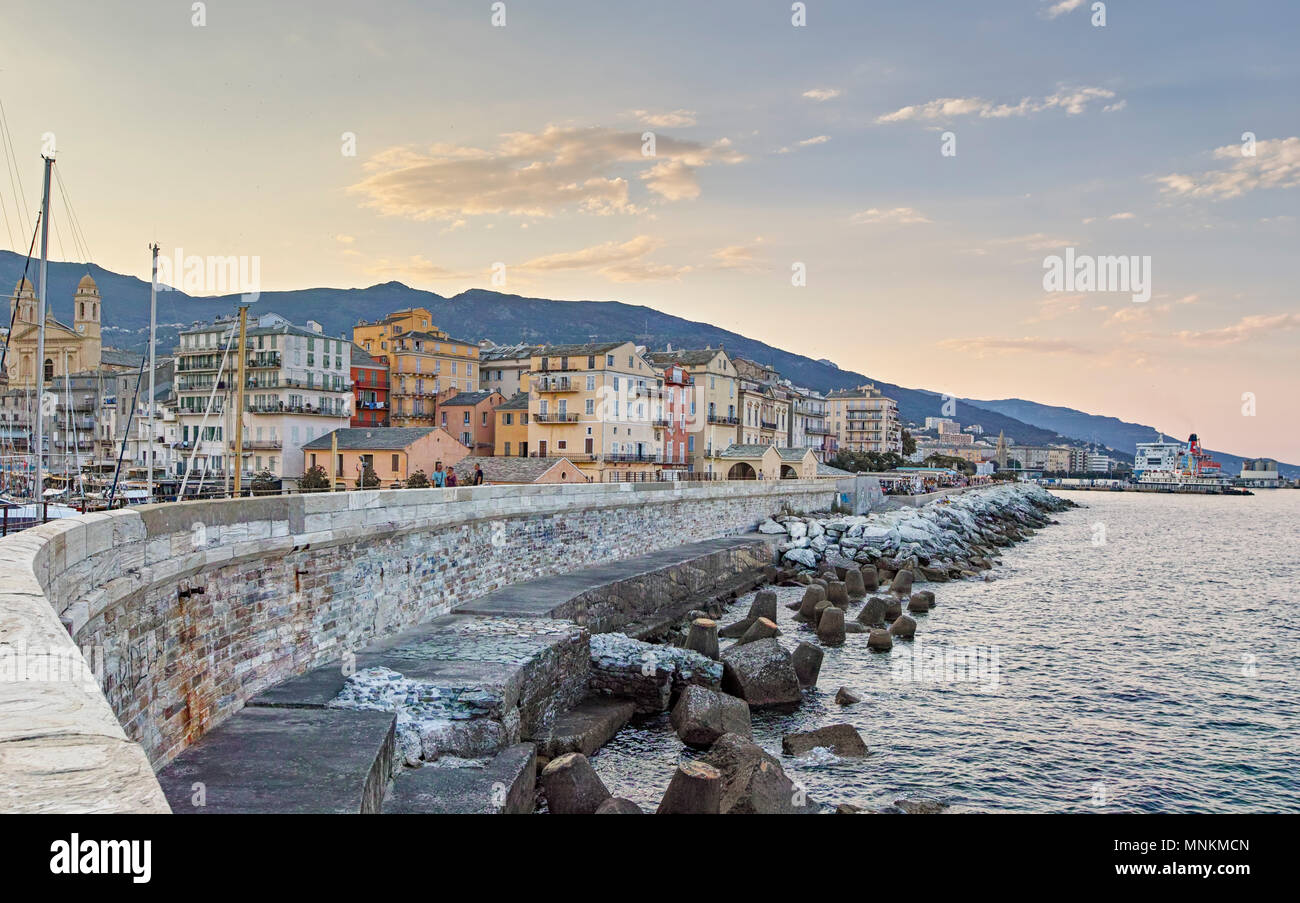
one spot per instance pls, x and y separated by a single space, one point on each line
314 479
418 480
264 482
368 479
1005 475
909 444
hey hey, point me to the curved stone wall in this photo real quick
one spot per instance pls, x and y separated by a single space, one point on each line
183 611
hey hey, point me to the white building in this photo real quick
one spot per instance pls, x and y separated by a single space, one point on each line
298 386
1099 463
1261 473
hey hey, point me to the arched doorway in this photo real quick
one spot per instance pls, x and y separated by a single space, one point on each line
741 471
788 472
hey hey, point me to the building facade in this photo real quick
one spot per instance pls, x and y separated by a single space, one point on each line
864 420
423 361
713 414
470 417
369 388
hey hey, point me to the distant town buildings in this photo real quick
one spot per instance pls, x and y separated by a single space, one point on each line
423 361
864 420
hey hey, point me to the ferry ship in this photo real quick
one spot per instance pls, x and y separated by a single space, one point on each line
1189 470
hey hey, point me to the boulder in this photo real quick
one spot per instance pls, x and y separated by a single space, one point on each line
572 787
617 805
819 609
920 806
873 613
807 660
806 557
870 577
854 585
845 696
893 608
761 629
770 526
753 782
917 603
926 595
696 789
702 715
842 739
830 627
855 627
703 637
880 640
903 627
761 673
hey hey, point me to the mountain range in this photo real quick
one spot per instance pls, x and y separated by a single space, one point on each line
480 314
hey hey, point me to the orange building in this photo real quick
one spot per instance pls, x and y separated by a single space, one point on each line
394 453
470 417
512 427
423 362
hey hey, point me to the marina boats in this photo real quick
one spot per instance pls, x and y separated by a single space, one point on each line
1190 470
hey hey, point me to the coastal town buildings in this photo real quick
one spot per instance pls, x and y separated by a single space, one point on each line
423 361
678 409
808 422
516 470
599 405
298 387
68 349
864 420
713 415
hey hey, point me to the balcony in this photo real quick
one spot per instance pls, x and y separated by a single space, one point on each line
259 444
556 384
575 457
555 418
644 458
661 423
723 420
767 424
264 360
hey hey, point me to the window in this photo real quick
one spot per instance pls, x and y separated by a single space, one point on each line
485 417
506 450
465 419
609 360
394 463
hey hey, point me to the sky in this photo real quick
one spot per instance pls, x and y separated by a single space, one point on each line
882 185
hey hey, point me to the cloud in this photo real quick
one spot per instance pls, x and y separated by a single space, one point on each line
1056 305
1072 100
1035 241
820 139
1243 330
737 257
983 346
535 174
673 119
617 261
417 268
898 215
344 239
1276 164
1062 7
821 95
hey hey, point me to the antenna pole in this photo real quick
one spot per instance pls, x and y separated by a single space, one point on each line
239 400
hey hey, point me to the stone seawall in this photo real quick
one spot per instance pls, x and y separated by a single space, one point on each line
187 610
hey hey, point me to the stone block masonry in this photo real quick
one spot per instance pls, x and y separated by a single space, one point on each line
187 610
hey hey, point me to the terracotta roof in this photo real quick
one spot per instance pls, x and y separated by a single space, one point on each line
502 469
516 402
464 399
364 439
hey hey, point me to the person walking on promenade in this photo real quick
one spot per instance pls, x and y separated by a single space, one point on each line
478 474
451 476
439 476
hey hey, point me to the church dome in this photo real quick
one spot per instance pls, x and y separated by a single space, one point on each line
87 284
24 285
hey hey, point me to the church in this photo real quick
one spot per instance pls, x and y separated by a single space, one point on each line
68 349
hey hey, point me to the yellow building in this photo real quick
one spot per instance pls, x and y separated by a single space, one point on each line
600 406
68 349
422 362
713 417
864 420
511 439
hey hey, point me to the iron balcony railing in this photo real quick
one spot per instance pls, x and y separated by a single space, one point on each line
555 418
724 420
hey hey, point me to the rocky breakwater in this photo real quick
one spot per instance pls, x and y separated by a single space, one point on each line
955 537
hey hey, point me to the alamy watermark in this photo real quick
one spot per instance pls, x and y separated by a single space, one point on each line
1108 273
930 663
211 275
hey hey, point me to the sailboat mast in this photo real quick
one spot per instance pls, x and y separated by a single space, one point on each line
153 323
38 486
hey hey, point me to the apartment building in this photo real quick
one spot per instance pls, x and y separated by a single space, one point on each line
808 426
864 420
469 416
678 403
712 415
505 367
298 387
369 388
511 438
599 405
423 361
393 453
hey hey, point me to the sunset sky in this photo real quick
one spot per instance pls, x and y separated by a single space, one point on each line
774 145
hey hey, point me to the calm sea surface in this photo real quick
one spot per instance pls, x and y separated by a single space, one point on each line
1148 660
